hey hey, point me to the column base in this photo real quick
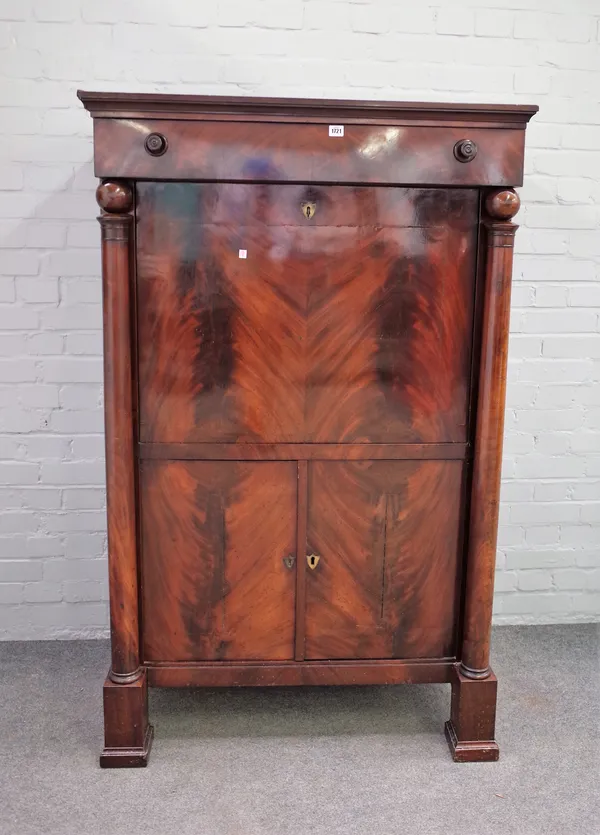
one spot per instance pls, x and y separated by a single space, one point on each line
470 731
127 734
128 758
470 752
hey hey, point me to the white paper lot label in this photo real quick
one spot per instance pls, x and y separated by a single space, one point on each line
336 130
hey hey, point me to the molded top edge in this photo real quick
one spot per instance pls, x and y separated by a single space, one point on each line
127 105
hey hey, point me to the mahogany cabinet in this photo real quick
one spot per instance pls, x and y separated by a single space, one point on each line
305 319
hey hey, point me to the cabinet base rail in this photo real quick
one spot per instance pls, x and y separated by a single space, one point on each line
291 673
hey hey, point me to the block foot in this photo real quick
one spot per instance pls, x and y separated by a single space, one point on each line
127 734
128 757
470 731
470 752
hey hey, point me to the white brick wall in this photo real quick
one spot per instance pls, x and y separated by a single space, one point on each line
52 525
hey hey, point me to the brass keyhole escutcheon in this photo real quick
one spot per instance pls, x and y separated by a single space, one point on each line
312 560
289 561
308 209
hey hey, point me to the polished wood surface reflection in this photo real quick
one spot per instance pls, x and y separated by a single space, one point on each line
279 153
248 109
116 223
501 206
215 537
388 536
306 320
353 325
285 674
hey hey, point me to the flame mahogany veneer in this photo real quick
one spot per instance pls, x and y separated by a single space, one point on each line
305 319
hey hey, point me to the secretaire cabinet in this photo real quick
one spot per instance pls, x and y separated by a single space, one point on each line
305 330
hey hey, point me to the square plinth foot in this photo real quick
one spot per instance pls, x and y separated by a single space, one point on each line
127 734
470 752
470 731
128 757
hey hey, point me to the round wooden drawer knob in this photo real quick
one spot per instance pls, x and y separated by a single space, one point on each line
156 144
465 150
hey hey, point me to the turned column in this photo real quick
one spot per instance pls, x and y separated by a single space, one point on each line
500 206
116 200
471 729
127 734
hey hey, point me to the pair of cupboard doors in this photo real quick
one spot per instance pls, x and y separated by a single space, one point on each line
327 330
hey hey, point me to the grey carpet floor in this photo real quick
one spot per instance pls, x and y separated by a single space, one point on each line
328 761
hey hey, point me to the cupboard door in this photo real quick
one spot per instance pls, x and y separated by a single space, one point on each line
214 539
388 538
258 323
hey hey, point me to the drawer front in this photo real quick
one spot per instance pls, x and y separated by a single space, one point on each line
287 313
388 537
268 152
217 583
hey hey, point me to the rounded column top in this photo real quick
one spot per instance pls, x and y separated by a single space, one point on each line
502 203
114 197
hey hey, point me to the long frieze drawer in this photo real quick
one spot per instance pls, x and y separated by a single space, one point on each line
163 149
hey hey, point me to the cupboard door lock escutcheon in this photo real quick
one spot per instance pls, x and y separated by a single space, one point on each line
289 561
312 560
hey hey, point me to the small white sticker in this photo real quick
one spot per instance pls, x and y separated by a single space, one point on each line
243 253
336 130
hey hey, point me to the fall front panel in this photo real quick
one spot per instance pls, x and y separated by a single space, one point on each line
289 313
386 536
216 581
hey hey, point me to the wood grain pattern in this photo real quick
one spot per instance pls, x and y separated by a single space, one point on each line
472 726
119 431
489 431
271 399
388 535
301 529
301 452
214 537
127 734
353 326
292 674
109 104
279 153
